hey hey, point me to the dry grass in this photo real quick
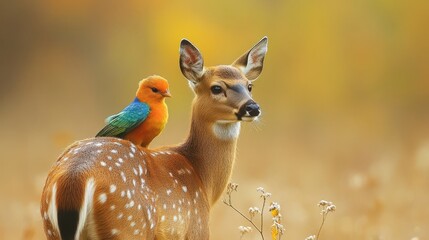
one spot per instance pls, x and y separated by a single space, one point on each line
344 97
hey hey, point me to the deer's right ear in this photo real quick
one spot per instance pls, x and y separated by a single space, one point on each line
191 61
251 63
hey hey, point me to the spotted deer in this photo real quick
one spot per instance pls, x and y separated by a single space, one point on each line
109 188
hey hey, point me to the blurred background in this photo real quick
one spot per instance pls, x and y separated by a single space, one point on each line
344 93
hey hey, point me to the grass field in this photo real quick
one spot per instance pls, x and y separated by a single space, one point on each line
344 97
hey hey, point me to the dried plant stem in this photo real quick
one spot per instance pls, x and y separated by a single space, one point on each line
260 230
327 207
262 215
248 219
321 225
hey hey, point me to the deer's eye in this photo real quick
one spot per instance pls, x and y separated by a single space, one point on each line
216 89
250 87
155 90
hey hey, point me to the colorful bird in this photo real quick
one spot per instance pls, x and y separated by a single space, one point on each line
144 118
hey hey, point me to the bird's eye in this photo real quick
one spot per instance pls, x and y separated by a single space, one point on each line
155 90
250 87
216 89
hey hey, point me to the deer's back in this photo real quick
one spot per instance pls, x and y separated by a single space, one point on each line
128 191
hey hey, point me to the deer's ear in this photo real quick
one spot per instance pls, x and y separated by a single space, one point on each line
251 63
191 61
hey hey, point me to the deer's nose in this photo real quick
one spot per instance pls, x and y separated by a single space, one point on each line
253 109
249 109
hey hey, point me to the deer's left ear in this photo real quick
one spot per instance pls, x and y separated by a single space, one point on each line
251 63
191 61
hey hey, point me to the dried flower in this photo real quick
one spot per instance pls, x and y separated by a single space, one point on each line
274 209
243 230
323 203
327 207
330 208
312 237
264 194
231 187
277 229
253 211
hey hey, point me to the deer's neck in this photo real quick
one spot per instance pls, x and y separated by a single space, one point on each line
211 149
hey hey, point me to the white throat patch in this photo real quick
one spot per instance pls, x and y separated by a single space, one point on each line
226 131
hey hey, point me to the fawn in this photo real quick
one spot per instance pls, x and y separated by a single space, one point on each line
109 188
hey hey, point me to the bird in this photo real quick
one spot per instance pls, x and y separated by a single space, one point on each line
145 117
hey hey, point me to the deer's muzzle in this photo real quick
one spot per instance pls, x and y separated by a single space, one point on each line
249 110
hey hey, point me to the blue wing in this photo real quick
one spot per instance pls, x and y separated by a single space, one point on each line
122 123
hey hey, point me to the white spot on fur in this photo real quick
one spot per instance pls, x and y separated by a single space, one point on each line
124 178
102 198
184 188
148 214
112 188
226 131
115 231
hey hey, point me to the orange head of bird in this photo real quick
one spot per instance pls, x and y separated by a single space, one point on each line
153 88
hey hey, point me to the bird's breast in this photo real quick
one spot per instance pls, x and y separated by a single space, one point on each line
150 127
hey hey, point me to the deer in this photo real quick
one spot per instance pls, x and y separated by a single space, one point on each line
109 188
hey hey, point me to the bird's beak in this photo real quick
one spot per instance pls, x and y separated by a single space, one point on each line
166 94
